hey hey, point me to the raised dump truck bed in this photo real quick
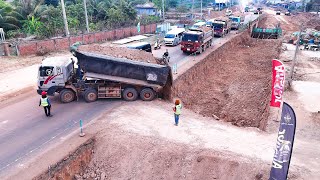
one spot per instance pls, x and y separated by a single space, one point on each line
124 68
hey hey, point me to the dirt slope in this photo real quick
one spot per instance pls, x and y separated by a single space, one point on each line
232 83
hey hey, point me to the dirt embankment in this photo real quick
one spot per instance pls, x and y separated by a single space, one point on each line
126 155
120 52
67 168
232 83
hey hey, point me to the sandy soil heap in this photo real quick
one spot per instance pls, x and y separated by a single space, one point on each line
120 52
232 83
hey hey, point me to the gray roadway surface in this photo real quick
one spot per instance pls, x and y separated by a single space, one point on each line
26 132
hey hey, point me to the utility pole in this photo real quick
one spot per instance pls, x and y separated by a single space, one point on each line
163 9
294 58
65 19
86 15
201 9
192 9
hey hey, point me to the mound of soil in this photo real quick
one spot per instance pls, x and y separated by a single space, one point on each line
233 83
120 52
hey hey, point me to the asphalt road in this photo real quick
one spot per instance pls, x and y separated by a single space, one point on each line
178 57
26 131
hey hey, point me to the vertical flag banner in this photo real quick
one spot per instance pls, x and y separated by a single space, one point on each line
282 155
138 27
278 72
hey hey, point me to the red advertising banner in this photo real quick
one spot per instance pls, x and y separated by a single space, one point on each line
278 72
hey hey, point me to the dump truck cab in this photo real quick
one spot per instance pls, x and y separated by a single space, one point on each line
53 73
235 22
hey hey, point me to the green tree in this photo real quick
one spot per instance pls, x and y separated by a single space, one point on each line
136 2
115 17
52 20
29 8
9 18
182 9
127 10
97 9
33 26
173 3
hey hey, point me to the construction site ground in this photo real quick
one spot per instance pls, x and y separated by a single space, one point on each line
138 140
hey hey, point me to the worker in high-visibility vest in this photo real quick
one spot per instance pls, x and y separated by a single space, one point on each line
177 111
45 102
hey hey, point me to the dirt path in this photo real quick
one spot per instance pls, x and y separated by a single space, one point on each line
139 141
19 74
12 63
305 90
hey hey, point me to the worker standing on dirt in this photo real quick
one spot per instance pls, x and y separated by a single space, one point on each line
177 111
45 102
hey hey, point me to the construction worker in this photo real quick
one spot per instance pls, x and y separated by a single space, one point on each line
177 111
45 102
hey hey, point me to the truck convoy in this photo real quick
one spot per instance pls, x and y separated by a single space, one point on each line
221 26
100 76
196 40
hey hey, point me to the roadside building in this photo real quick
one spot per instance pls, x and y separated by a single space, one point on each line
148 9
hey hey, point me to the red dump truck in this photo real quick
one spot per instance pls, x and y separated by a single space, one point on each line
196 40
222 26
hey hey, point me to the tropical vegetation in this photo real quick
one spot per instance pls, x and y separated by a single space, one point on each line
43 18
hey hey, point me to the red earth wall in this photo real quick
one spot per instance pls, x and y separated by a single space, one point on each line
35 47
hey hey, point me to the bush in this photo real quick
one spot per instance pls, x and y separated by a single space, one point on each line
33 26
149 19
15 34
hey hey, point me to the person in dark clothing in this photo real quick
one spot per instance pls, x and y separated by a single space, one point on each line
45 102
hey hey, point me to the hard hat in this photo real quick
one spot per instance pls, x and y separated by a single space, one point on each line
43 93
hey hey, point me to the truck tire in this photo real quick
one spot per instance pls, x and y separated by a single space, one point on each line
147 94
130 94
203 48
67 95
90 95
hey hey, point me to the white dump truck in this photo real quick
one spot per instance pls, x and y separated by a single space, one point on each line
100 76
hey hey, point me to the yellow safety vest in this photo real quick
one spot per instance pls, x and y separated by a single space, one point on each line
44 102
178 109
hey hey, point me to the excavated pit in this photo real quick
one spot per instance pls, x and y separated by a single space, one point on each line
233 83
70 165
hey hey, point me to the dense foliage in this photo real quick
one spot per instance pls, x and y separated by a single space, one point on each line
43 18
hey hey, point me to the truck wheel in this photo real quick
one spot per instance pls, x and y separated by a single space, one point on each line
147 94
90 95
67 95
130 94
